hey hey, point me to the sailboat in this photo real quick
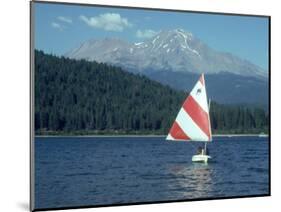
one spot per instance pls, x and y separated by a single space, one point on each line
193 121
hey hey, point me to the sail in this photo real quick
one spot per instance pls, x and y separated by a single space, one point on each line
193 122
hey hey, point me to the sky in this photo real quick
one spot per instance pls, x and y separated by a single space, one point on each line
59 28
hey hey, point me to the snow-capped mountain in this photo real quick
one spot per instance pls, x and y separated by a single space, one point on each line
170 50
176 58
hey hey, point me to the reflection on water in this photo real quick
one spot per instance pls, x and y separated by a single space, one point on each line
194 180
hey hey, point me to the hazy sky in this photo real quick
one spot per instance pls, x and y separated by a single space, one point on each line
59 28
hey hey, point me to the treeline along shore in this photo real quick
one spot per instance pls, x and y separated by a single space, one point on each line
77 97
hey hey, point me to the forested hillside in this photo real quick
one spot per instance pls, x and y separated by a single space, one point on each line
81 97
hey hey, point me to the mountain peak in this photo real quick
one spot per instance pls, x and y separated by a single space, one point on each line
174 34
168 41
183 32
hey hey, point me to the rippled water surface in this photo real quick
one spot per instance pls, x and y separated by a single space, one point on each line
72 171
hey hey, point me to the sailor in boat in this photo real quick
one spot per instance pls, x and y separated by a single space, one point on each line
201 151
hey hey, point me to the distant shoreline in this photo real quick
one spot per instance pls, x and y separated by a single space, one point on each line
134 136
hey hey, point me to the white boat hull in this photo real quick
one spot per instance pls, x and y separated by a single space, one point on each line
201 158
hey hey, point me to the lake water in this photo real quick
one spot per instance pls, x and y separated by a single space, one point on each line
72 171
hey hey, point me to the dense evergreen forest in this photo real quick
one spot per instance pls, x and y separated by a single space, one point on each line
81 97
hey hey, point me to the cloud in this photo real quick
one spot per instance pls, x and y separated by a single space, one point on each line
65 19
57 26
61 25
147 33
107 21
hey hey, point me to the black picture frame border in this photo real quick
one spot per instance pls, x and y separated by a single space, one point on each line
31 106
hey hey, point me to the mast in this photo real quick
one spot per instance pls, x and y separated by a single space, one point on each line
205 147
209 106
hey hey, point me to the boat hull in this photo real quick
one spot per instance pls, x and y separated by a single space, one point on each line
201 158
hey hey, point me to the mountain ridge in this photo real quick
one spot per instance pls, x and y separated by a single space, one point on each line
170 50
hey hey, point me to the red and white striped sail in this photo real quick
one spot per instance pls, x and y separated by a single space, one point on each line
193 121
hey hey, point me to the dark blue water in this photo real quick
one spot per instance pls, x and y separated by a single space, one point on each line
92 171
